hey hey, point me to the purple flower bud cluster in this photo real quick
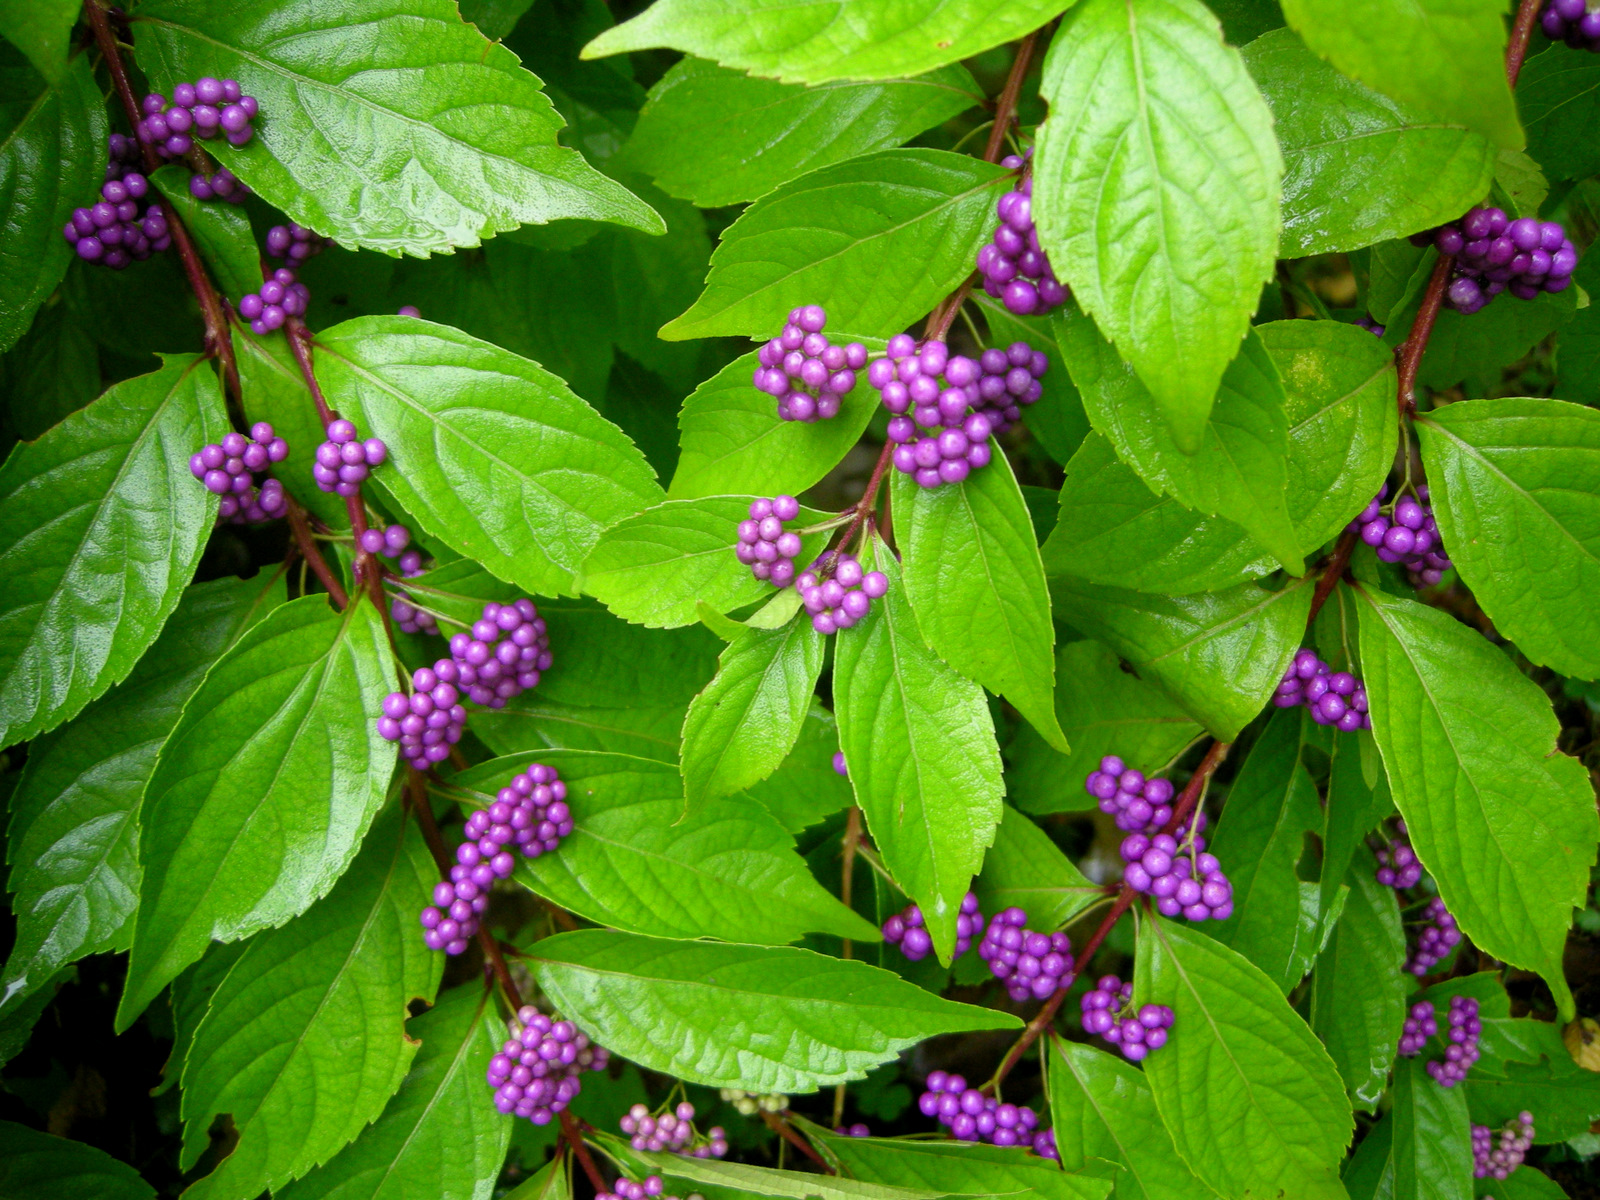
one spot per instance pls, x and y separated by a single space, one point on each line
627 1189
202 109
1032 965
1013 265
1335 698
1108 1011
279 297
839 602
344 461
856 1130
429 721
906 930
1495 254
1139 805
1398 865
227 468
222 184
120 228
764 545
672 1130
1179 874
1407 535
294 242
1461 1038
1572 22
535 1075
1370 325
504 654
1439 936
973 1117
1421 1024
838 764
807 373
1498 1161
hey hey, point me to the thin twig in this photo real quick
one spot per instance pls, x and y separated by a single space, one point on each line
852 838
1521 31
1332 573
1410 352
574 1138
1006 107
310 552
786 1131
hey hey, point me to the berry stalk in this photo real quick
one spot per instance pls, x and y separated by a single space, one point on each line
306 542
1410 352
786 1131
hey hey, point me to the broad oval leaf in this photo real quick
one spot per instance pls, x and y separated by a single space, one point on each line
1250 1097
273 390
1026 869
766 1019
1503 821
1430 1150
42 29
221 232
101 526
742 1180
1558 93
1526 1063
1157 192
489 452
1474 348
265 788
1516 488
1056 419
806 789
388 125
38 1166
958 1168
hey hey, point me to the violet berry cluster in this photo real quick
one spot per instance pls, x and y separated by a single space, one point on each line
652 1188
344 461
1461 1042
841 600
430 719
293 242
1139 805
228 468
505 653
1032 965
1335 698
1398 865
1439 936
1572 22
1495 254
1497 1161
1407 535
205 108
221 184
280 297
764 545
1421 1024
120 227
1182 877
906 929
1014 267
672 1130
535 1075
858 1130
806 372
1108 1011
973 1117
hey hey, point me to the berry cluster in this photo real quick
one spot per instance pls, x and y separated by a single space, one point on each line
227 469
1139 805
1370 325
1108 1010
857 1130
429 721
1461 1036
672 1130
1334 697
973 1117
806 372
1439 936
1398 865
1044 1145
1032 965
119 229
764 545
906 930
748 1104
204 109
1516 1139
1008 380
535 1075
651 1189
1421 1024
839 602
279 297
293 242
1179 874
495 670
1013 265
1408 535
411 618
343 461
1572 22
1495 254
221 184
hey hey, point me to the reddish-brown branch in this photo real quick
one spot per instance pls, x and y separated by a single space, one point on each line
1521 32
574 1138
786 1131
1332 573
312 554
1125 898
1410 352
1005 108
852 838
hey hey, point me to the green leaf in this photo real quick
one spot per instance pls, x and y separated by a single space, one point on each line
1056 419
51 142
1516 487
1026 869
1101 1107
652 280
277 1050
884 237
490 453
550 1182
1157 194
746 721
273 390
1431 1147
1358 999
636 862
1104 710
220 230
734 441
531 723
974 579
1525 1064
41 1166
191 994
1531 1184
1518 179
48 375
437 1137
1469 746
766 1019
1354 808
265 788
919 742
395 127
73 839
1252 1101
736 1180
957 1169
1218 654
1559 94
1237 467
806 789
1444 59
1399 273
42 29
101 526
809 42
1360 167
696 131
1475 348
